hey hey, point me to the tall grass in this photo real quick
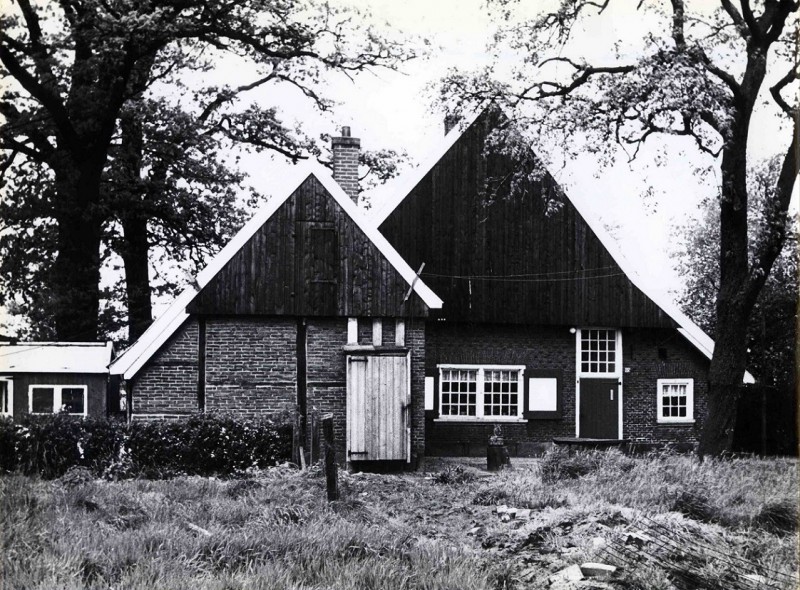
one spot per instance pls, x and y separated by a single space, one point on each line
275 530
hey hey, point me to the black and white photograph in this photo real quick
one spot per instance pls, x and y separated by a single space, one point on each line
399 295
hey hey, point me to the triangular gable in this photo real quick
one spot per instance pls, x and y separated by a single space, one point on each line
416 182
130 361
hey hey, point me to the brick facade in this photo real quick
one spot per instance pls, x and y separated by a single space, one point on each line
167 384
251 370
648 355
251 366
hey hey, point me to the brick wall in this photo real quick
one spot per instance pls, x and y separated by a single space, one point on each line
676 359
167 384
553 348
251 369
326 377
545 347
251 366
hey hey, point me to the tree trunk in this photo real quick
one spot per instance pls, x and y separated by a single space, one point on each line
76 269
135 256
135 249
725 380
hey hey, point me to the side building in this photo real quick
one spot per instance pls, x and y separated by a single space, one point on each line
53 377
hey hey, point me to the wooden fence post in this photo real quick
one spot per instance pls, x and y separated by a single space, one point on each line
331 474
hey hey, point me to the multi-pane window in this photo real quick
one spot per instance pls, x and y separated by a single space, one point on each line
500 393
6 398
675 400
598 352
52 399
458 389
474 392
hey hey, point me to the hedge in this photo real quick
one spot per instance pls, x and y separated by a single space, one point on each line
202 444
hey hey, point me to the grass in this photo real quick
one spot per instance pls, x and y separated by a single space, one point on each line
708 524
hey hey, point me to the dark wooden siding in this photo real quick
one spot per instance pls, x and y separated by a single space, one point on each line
96 389
507 260
308 259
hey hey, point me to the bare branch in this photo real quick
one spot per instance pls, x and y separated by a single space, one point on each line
737 19
774 230
790 77
230 94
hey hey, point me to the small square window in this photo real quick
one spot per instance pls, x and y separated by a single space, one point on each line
675 400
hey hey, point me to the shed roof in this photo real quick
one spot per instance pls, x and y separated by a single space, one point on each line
55 357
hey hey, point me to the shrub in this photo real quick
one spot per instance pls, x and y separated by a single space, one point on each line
454 474
200 445
778 516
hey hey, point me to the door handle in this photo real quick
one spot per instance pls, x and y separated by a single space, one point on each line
611 393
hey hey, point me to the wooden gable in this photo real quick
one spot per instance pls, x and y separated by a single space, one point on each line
309 258
508 261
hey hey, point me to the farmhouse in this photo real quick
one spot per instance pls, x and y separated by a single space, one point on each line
51 377
427 323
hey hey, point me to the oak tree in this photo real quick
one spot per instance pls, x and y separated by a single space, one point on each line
83 166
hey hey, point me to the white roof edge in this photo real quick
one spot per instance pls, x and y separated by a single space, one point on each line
687 328
136 355
415 176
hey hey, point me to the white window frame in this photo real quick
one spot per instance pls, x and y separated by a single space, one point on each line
57 403
479 390
689 418
617 372
10 392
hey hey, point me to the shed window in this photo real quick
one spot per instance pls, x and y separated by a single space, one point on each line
469 392
675 400
6 397
51 399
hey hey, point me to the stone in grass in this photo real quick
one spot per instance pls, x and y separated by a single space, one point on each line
597 570
572 573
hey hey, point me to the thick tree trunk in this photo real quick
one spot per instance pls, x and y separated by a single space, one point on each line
135 256
76 270
734 299
725 379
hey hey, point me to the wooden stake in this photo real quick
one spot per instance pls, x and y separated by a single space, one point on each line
331 474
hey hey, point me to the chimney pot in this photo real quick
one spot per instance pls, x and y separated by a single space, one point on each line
345 131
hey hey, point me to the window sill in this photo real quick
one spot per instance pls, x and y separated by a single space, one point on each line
674 422
473 420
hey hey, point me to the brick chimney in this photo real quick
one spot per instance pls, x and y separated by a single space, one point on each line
345 162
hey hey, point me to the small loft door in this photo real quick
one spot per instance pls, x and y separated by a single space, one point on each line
599 414
378 402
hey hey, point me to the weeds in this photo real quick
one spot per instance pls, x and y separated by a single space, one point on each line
716 520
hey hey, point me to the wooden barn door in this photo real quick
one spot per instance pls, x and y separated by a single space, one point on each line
599 416
378 402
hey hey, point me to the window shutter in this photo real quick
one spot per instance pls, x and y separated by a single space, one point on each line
431 397
543 389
